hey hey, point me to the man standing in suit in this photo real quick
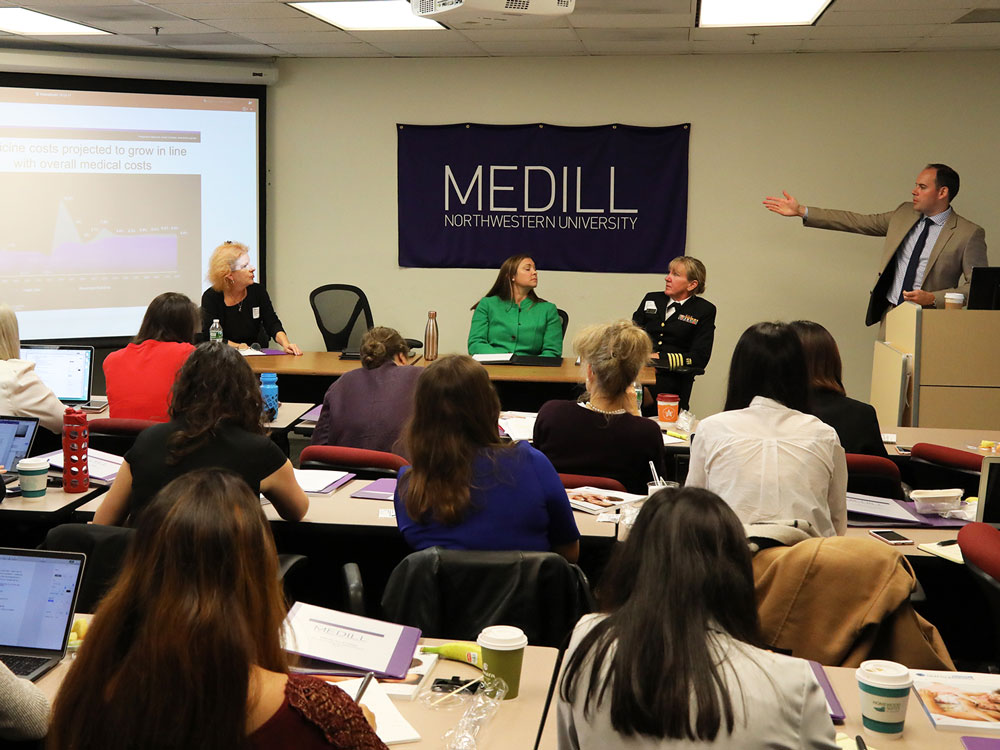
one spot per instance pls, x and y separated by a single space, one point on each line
681 326
928 247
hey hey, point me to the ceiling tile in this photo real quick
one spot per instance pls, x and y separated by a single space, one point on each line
532 49
631 21
744 32
970 29
519 35
333 36
637 48
888 17
248 50
357 49
240 25
633 35
957 42
234 10
885 43
863 32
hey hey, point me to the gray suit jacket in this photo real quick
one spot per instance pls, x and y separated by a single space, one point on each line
960 247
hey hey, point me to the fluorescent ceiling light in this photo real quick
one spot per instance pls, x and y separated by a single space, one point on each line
760 12
22 21
368 15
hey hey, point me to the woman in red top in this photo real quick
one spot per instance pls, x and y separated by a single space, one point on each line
140 376
185 649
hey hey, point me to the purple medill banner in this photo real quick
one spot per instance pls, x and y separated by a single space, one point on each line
607 198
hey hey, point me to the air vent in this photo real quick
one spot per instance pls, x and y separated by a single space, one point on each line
426 6
563 3
517 5
981 15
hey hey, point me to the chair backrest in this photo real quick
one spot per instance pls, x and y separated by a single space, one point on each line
105 548
934 467
342 314
457 593
980 545
366 464
564 317
116 435
873 475
572 481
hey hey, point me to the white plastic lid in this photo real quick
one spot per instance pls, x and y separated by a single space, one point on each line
502 638
954 296
33 464
883 673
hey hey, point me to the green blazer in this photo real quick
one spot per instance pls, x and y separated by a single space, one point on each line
501 326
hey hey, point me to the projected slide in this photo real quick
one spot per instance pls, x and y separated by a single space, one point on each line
108 198
127 235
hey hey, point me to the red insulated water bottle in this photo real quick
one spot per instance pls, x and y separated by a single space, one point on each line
76 439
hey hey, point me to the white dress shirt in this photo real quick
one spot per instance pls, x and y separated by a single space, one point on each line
772 463
903 256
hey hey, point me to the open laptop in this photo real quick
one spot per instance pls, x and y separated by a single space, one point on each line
988 507
38 591
17 434
67 370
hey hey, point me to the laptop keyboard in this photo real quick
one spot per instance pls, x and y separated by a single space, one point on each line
22 665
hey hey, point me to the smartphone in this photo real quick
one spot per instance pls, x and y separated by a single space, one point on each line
889 536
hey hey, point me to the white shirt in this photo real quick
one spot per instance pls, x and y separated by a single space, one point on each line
23 394
776 700
903 257
771 463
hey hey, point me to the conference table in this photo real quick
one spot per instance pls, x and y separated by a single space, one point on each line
961 439
515 725
521 387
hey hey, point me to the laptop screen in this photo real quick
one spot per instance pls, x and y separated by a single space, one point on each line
37 597
16 436
988 508
66 370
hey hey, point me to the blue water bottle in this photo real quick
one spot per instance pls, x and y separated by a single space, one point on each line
269 392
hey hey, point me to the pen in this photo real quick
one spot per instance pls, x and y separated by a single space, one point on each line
947 542
861 743
364 686
656 477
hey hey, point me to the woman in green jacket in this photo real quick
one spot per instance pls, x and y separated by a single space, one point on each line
512 318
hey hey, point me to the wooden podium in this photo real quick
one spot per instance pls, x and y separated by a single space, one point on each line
938 368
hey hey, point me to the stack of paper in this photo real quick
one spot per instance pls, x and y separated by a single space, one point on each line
518 425
595 500
102 466
390 726
321 481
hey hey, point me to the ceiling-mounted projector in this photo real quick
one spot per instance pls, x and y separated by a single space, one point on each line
453 12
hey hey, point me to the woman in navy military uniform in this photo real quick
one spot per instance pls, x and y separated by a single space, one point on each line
682 327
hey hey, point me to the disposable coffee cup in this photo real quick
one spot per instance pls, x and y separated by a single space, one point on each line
954 301
32 476
503 652
885 690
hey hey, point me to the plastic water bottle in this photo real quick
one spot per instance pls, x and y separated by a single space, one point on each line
215 332
75 444
269 392
431 337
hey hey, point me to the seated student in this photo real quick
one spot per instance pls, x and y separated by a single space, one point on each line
603 435
467 490
367 408
512 318
22 393
185 650
765 454
215 421
855 421
24 709
140 376
674 658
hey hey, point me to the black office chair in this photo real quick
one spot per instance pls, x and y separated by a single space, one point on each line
343 315
564 317
105 548
456 593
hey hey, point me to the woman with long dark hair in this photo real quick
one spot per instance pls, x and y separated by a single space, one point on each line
467 490
139 377
674 657
855 421
216 420
766 455
185 650
511 317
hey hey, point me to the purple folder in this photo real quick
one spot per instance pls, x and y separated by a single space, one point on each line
273 352
836 710
380 489
980 743
919 519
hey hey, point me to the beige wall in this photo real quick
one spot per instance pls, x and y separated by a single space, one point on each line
844 131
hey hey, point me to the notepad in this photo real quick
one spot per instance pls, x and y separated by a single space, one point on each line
390 726
100 465
488 358
380 489
949 552
321 481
